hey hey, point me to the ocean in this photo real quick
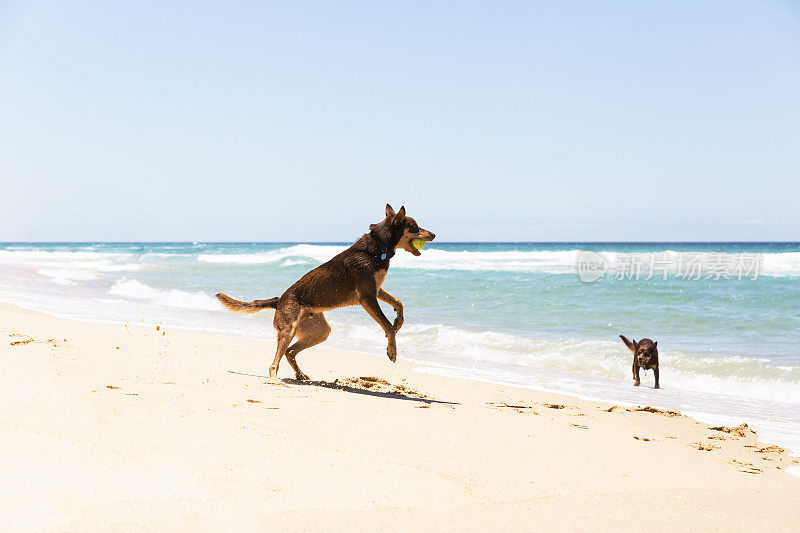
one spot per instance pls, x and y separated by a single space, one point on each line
540 315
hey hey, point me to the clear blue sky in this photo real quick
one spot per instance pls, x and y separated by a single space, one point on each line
488 120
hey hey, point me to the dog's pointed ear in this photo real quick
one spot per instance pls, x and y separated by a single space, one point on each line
631 345
400 217
654 346
389 211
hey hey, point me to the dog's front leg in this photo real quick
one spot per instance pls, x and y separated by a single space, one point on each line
655 373
636 380
396 304
373 309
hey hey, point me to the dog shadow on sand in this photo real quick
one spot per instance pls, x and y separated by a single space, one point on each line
366 385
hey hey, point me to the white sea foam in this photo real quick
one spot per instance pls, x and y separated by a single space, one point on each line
65 268
317 252
782 264
431 259
786 264
67 276
293 262
16 256
169 298
728 375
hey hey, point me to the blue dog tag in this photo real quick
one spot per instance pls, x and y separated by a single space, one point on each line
383 256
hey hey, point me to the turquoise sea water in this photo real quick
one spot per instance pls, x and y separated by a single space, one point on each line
726 315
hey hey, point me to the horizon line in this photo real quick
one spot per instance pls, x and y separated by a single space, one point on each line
432 243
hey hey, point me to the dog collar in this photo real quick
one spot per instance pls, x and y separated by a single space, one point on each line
386 252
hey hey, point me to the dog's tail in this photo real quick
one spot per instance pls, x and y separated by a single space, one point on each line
247 307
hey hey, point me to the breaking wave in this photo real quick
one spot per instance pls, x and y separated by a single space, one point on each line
169 298
786 264
747 377
66 268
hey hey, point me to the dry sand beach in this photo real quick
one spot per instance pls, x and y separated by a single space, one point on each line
121 427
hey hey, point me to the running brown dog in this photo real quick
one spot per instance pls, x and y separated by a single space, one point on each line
354 277
645 355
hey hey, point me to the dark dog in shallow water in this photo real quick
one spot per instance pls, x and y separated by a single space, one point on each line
354 277
645 355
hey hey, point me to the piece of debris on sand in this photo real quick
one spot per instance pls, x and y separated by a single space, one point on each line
378 385
705 447
747 468
29 340
664 412
771 449
519 408
740 431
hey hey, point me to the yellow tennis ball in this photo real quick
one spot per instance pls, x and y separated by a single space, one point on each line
417 243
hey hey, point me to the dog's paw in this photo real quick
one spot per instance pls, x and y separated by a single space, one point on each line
391 351
300 376
636 383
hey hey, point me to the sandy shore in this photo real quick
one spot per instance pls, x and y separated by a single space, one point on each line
130 427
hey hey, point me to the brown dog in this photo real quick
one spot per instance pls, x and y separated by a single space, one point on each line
354 277
645 355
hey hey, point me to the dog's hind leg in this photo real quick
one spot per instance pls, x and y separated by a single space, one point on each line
287 316
311 330
284 338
